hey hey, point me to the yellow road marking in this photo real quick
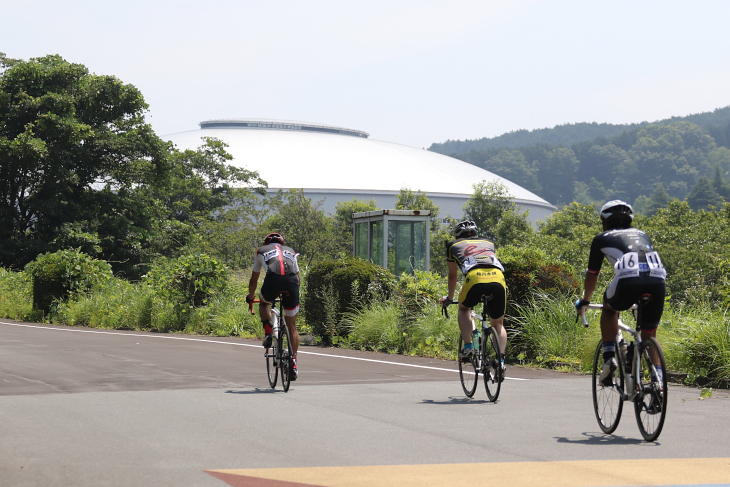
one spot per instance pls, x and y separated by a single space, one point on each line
591 473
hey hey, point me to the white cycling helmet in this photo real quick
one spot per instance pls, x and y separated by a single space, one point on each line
616 207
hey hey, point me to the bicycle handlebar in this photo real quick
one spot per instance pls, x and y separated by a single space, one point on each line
250 303
594 306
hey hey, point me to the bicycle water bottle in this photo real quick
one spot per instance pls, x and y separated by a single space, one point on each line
475 339
629 371
622 346
275 324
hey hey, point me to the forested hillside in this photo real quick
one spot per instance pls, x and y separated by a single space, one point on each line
572 133
646 164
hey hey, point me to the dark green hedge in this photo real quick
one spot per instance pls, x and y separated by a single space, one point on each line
528 271
57 275
336 287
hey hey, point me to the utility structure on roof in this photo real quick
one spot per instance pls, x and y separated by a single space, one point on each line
333 164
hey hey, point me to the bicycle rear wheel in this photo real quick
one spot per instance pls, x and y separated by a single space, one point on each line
286 355
608 401
650 404
492 364
468 372
272 365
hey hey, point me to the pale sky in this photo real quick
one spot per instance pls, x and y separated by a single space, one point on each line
411 72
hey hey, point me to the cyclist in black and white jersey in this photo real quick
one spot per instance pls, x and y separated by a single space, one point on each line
282 278
637 270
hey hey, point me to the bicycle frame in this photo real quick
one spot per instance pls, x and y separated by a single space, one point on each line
486 325
631 389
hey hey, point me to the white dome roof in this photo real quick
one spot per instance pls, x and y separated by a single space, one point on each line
342 163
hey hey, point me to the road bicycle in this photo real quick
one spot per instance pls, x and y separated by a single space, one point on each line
635 379
486 358
278 356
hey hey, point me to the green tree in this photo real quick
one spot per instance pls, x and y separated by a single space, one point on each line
513 166
557 174
659 199
201 182
703 194
495 214
304 225
410 200
674 155
343 221
73 147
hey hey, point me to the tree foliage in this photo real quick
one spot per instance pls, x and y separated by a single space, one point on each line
72 146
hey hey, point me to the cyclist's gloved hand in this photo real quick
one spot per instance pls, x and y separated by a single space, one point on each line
249 298
445 301
581 303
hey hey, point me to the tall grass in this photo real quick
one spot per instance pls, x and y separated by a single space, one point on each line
16 296
375 327
545 330
697 341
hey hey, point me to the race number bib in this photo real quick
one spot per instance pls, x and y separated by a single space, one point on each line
468 264
654 265
629 266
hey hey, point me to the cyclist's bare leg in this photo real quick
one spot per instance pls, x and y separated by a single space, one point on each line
264 310
465 323
498 326
652 352
291 324
609 323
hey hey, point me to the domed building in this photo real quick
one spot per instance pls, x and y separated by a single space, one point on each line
336 164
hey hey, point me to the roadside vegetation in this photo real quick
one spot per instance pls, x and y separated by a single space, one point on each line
140 236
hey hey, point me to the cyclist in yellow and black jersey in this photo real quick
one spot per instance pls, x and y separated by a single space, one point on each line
475 257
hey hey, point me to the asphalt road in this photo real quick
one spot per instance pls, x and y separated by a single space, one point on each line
87 407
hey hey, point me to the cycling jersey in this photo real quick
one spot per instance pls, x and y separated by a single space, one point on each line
278 259
472 252
629 250
637 270
281 278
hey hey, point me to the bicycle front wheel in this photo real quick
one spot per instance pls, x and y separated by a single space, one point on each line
492 364
608 400
468 372
650 404
286 356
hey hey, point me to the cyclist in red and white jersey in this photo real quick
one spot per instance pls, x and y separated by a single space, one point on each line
282 278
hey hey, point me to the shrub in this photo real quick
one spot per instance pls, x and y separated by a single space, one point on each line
190 280
529 271
16 295
57 275
419 290
336 287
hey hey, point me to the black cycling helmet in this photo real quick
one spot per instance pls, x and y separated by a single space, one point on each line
465 229
617 213
274 238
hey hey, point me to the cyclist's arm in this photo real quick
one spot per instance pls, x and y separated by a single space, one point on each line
252 284
453 278
590 285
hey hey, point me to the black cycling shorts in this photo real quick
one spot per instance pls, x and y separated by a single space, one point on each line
485 281
629 290
287 286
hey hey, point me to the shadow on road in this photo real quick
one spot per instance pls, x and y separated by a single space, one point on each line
256 391
602 439
457 400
